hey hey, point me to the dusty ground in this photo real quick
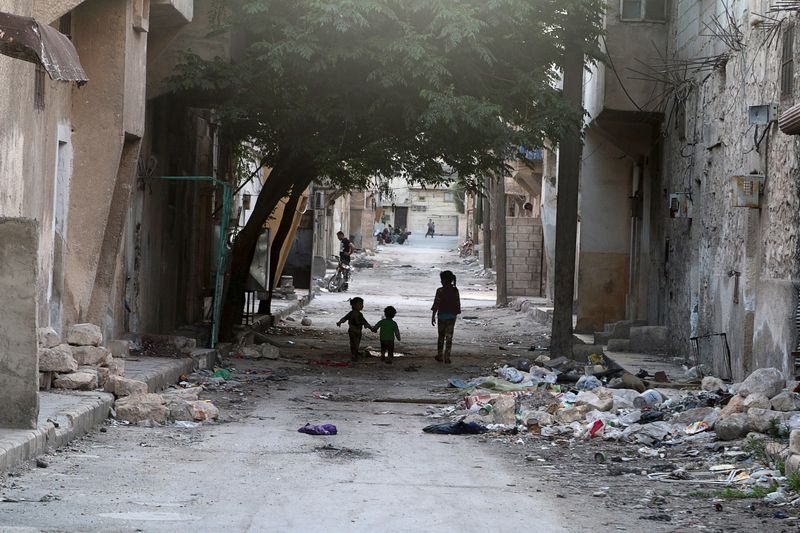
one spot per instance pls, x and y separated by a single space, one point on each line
254 472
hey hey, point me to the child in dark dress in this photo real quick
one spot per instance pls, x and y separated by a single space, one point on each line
446 307
355 322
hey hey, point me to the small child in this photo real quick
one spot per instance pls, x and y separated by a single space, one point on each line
447 304
356 321
389 331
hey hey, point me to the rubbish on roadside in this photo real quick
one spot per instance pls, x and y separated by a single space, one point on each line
456 428
223 373
511 374
648 398
697 427
328 362
588 383
187 424
322 429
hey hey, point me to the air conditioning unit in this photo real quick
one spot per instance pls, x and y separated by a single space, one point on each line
680 205
747 190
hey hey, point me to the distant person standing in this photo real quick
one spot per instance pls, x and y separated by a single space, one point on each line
431 228
446 307
388 331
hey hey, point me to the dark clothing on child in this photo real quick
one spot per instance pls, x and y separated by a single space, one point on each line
355 322
447 306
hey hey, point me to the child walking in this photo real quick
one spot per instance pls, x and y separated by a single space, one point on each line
389 331
447 305
356 322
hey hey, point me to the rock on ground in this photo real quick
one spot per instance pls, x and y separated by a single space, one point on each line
76 381
735 405
758 401
119 348
712 384
732 427
142 407
116 367
90 355
786 401
760 420
84 335
57 359
691 416
767 381
121 386
794 441
47 337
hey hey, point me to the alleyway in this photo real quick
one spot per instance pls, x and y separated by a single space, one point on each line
255 472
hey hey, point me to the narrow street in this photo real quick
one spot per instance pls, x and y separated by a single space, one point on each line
255 472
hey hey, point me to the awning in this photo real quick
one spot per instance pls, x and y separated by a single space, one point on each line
24 38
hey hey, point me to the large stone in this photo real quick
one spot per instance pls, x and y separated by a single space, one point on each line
792 464
794 441
90 355
142 407
188 394
195 410
786 401
84 335
203 410
103 374
119 348
76 381
120 386
735 405
761 420
260 351
116 366
712 384
732 427
58 359
690 416
767 381
573 414
19 369
47 338
758 401
649 339
600 399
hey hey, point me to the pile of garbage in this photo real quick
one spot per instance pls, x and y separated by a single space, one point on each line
538 401
77 362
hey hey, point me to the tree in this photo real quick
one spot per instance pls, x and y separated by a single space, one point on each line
347 90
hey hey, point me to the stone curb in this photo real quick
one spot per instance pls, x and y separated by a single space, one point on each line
18 446
72 423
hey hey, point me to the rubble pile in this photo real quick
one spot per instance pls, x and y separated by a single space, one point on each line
544 402
80 362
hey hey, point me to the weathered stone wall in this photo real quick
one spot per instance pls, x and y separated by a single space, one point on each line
19 363
709 138
524 249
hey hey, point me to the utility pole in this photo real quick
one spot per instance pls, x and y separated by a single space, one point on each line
486 221
500 237
569 164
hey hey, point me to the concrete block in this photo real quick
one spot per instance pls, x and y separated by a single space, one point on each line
622 329
76 381
90 355
125 387
649 339
19 379
119 348
619 345
84 335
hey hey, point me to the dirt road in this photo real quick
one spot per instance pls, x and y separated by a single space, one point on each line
255 472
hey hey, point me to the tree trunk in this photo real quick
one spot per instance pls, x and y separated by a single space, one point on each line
569 164
280 238
501 265
487 226
285 173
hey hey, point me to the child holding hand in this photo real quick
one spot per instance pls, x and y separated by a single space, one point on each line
355 322
388 331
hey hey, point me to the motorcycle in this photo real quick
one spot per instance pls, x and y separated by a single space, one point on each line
467 248
340 279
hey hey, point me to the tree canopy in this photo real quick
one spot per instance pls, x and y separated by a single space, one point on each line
380 87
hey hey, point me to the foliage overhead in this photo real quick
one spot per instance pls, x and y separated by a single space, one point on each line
361 88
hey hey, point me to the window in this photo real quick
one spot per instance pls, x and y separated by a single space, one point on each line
448 197
643 10
787 63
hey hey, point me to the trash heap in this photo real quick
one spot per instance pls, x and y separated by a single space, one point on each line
536 400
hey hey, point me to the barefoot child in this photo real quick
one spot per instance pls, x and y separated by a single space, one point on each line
447 304
389 331
355 321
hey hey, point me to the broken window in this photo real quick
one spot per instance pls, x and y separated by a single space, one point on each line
787 62
643 10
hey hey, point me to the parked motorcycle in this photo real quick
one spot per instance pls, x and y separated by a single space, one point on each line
340 280
467 248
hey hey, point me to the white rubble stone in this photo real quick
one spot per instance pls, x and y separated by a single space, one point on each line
732 427
767 381
141 407
47 337
188 394
712 384
600 399
76 381
792 464
119 348
179 410
260 351
116 367
57 359
758 401
786 401
84 335
90 355
794 441
203 410
120 386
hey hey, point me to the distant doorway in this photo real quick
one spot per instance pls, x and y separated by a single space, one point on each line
400 217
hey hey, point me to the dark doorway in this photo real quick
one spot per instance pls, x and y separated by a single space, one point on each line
401 217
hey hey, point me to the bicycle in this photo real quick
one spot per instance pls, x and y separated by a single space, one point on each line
340 280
